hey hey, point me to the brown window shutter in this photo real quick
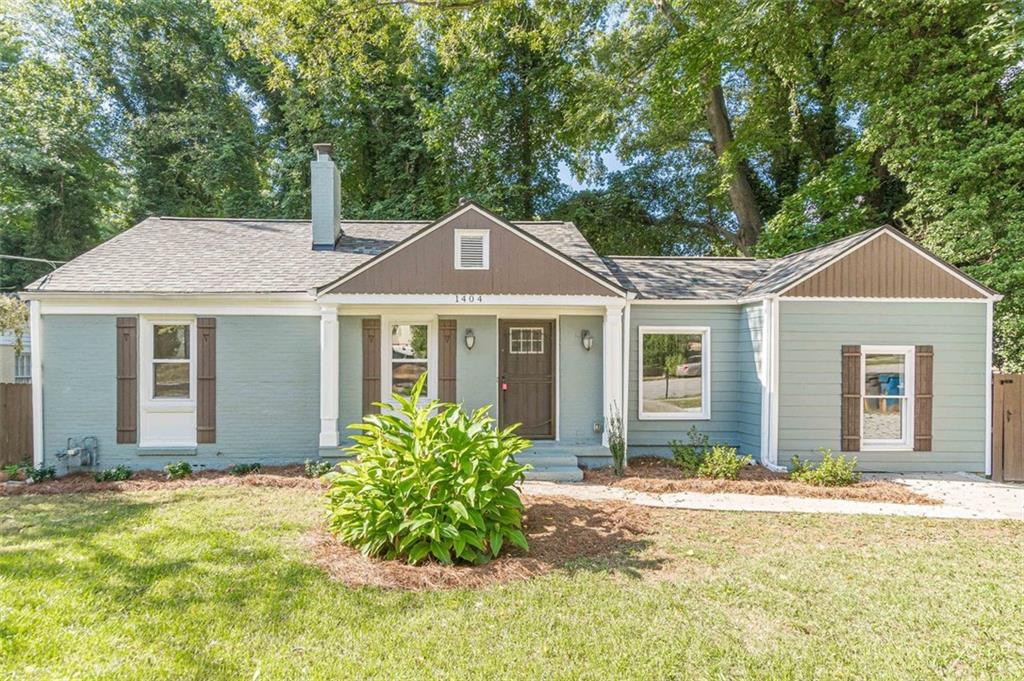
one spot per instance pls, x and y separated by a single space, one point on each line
127 380
206 373
447 330
924 361
371 365
852 385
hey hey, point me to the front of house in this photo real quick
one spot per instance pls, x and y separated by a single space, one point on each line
231 341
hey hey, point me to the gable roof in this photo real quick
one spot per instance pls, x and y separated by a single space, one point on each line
163 255
581 256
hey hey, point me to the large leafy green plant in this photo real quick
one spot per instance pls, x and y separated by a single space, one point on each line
429 480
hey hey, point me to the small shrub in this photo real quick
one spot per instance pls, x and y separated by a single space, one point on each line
616 442
118 473
41 474
831 472
429 481
722 463
178 470
244 468
315 468
688 456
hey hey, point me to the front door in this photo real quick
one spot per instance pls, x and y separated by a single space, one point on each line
526 364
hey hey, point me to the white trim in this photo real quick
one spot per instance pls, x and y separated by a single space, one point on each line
673 301
467 303
558 377
905 444
611 342
827 299
906 241
460 234
775 350
705 358
623 405
389 320
154 410
35 325
988 388
191 305
329 376
429 229
764 377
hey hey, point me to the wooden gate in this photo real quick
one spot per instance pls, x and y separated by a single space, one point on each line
1008 427
15 422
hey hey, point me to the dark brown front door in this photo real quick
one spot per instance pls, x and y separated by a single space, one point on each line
526 364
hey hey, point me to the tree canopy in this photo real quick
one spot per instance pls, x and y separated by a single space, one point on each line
736 127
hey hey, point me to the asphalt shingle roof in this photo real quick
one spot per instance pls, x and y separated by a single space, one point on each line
199 255
688 278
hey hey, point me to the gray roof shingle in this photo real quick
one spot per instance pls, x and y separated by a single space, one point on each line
202 255
688 278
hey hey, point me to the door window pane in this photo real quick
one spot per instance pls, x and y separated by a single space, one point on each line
673 373
526 341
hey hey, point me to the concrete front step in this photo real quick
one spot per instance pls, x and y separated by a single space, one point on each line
551 465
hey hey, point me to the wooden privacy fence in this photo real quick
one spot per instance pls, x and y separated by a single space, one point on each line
15 422
1008 427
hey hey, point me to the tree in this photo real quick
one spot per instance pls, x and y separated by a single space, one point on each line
56 186
13 319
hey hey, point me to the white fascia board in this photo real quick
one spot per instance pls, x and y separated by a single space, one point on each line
466 302
827 299
114 304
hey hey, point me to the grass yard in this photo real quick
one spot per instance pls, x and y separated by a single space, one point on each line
214 582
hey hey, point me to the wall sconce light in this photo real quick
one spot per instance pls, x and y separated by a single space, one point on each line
587 339
470 339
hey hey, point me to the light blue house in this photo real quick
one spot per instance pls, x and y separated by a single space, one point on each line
228 341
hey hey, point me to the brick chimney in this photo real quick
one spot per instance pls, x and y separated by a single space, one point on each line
325 189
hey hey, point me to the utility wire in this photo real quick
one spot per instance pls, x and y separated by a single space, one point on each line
51 263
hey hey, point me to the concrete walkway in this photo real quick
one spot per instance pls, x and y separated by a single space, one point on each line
963 496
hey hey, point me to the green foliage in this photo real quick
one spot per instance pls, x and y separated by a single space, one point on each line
13 319
831 472
688 456
244 468
617 442
11 469
40 474
722 463
699 458
429 482
316 468
118 473
178 470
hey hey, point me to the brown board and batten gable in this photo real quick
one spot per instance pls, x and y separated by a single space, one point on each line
887 266
519 264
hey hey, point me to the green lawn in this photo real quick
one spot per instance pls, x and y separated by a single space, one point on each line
212 583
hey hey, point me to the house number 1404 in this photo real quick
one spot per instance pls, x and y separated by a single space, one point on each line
472 298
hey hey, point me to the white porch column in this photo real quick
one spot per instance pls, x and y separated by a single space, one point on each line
329 375
611 341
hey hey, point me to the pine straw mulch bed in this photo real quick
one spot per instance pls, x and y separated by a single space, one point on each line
656 475
145 480
562 533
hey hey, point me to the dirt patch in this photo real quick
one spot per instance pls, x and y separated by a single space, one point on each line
78 483
658 476
562 533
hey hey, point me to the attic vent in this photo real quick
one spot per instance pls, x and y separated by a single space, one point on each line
472 249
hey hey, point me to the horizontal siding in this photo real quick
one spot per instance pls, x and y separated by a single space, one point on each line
811 335
350 382
268 390
730 385
476 370
581 380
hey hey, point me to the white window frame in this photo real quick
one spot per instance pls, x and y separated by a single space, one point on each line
486 234
430 321
889 445
165 415
705 372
